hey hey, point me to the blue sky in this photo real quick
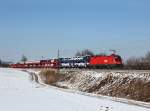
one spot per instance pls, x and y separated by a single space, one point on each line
38 28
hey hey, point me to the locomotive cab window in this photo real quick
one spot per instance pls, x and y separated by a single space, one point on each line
117 58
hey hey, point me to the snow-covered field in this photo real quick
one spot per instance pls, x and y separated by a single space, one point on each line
19 93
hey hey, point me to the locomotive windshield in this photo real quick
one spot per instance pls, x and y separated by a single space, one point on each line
118 58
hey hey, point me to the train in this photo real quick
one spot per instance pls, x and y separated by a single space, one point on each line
95 61
50 63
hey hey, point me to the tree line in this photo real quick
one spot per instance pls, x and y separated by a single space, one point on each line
87 52
7 64
4 64
139 63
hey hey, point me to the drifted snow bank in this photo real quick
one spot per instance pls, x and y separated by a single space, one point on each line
130 85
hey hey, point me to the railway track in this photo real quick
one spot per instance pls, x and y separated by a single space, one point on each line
107 70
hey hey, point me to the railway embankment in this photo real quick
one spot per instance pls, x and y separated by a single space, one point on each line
129 85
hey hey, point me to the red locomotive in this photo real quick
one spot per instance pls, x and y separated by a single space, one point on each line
103 61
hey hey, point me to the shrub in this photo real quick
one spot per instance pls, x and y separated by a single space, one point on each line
49 76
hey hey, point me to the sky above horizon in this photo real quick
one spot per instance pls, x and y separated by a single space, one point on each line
39 28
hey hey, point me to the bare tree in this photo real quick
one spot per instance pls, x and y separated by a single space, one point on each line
139 62
147 57
78 54
87 52
0 62
24 58
146 60
4 64
84 53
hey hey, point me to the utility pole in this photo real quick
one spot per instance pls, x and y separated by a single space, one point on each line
58 54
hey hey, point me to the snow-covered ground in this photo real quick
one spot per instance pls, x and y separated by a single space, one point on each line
133 85
19 93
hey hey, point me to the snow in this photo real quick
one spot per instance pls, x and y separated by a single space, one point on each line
19 93
82 80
